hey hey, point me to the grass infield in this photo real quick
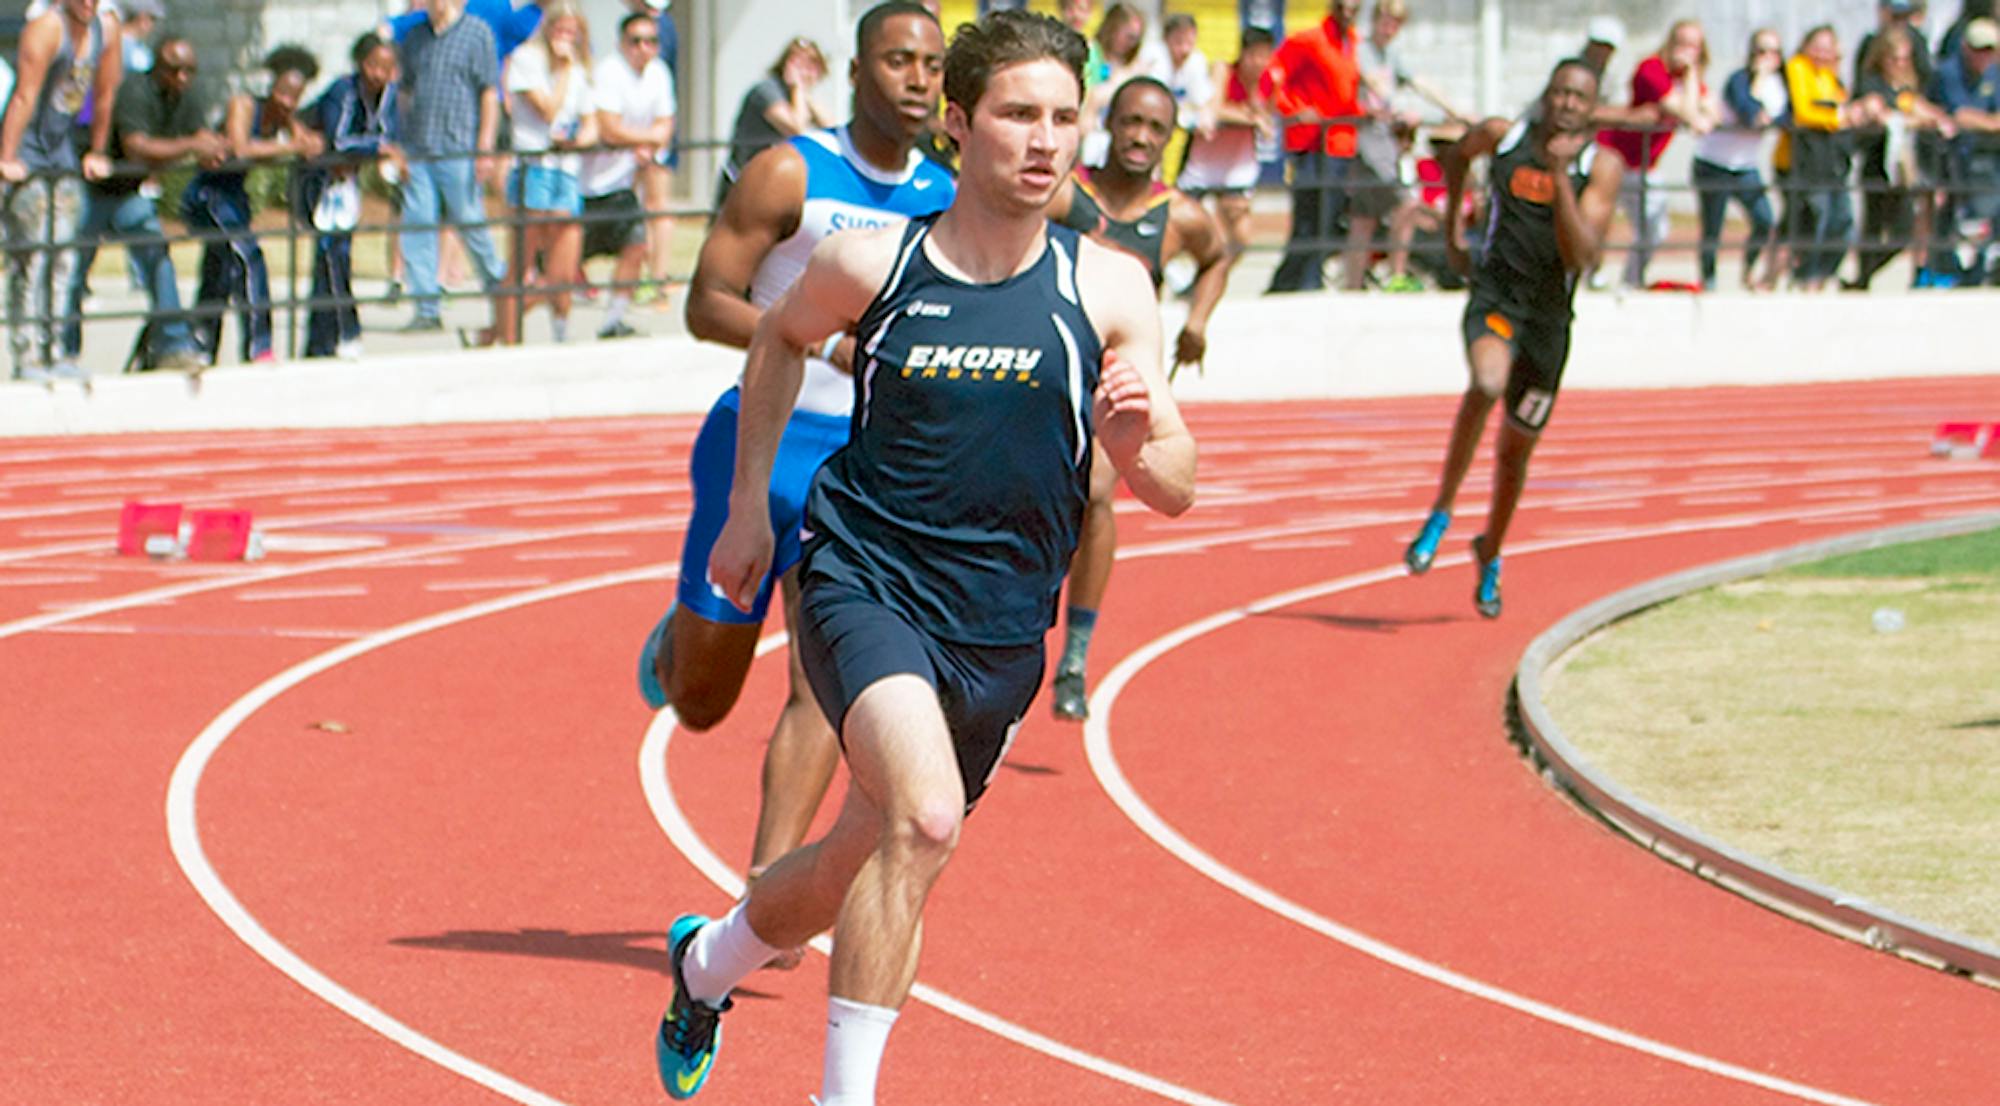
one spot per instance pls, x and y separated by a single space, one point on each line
1797 719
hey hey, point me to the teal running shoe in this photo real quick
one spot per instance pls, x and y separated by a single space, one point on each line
1069 700
1486 596
691 1030
1418 557
649 657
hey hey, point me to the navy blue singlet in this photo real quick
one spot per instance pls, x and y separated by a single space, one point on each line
959 497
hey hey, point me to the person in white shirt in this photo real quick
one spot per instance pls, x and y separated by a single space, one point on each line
1175 61
1728 160
550 113
634 107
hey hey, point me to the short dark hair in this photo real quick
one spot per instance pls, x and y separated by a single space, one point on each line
1135 83
1255 36
625 24
1578 63
882 13
367 44
1003 38
292 58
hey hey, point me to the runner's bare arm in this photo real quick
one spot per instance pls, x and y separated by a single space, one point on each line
1581 221
1137 421
1457 164
1201 239
844 274
762 210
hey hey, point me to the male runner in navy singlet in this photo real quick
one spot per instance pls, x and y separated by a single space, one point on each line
994 346
866 173
1552 199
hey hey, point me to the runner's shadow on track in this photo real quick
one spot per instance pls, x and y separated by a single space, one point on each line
1979 724
1367 624
640 949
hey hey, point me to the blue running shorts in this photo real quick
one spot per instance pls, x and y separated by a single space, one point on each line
809 439
847 640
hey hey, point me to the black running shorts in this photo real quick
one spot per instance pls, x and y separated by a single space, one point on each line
848 640
1540 348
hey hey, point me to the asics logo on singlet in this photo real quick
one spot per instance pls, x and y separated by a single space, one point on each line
978 362
928 310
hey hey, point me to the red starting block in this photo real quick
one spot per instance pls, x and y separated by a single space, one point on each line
138 521
218 535
1962 439
1991 450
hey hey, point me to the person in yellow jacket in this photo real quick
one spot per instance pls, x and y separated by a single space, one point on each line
1813 158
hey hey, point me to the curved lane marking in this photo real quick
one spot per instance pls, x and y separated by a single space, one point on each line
184 834
185 838
1104 764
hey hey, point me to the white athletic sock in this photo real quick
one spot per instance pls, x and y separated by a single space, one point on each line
560 326
615 314
723 953
856 1034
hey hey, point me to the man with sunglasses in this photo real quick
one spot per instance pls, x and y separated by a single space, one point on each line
160 118
635 115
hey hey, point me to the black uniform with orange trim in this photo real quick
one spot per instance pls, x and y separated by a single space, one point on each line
1144 237
1521 291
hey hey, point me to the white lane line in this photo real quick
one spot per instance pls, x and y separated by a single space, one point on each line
562 509
503 583
185 838
46 579
280 595
667 811
184 834
527 556
1104 765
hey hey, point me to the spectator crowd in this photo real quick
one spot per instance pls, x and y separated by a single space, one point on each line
1837 165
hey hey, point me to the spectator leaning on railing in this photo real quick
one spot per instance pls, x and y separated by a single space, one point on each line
635 117
1728 160
160 118
67 53
1899 173
1906 16
1378 193
1813 159
217 204
1222 155
1967 85
1669 90
357 116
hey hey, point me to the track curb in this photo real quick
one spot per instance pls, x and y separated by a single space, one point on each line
1564 767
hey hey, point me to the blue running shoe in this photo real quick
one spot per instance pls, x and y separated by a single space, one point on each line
649 656
1417 558
1486 597
691 1030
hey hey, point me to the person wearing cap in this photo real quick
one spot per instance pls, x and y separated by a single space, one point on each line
1602 38
1967 84
1908 16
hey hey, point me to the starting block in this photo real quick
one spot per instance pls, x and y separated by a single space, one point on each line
1964 439
218 535
138 521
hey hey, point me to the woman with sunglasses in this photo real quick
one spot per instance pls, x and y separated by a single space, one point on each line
1728 160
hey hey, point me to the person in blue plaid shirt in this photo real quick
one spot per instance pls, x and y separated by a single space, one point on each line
451 105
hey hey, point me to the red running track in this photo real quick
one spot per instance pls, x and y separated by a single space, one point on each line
380 819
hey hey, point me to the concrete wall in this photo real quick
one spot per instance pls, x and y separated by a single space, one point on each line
1264 348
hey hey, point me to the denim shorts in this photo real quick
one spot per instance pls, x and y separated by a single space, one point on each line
545 188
